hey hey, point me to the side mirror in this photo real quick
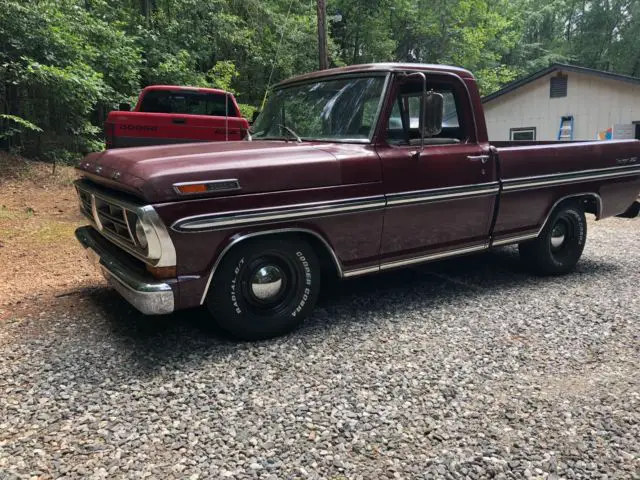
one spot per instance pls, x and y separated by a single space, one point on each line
432 114
124 107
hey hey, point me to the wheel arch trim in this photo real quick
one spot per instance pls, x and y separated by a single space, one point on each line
240 237
594 195
520 238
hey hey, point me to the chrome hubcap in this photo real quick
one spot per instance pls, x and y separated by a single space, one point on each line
266 283
558 235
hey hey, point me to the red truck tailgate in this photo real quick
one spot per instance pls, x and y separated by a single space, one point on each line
133 129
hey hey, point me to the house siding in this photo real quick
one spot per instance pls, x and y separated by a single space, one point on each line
595 103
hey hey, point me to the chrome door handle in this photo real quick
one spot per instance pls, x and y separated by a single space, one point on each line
479 158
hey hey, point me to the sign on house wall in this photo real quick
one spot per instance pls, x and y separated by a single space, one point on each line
624 132
605 134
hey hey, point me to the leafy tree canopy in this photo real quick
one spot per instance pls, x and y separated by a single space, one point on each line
65 63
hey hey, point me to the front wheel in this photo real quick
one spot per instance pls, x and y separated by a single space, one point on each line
265 287
559 246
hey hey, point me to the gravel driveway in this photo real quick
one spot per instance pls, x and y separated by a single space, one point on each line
467 367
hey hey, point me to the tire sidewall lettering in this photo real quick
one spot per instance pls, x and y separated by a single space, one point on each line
579 232
233 287
307 283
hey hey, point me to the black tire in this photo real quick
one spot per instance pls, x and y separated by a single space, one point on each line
559 246
250 310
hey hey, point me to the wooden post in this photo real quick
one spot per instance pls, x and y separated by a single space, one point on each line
322 34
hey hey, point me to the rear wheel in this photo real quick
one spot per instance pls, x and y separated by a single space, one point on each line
559 246
265 287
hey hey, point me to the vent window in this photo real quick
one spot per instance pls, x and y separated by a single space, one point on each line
558 86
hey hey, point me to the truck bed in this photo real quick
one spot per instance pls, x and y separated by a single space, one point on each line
533 174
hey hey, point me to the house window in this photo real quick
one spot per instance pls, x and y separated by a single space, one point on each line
517 134
558 86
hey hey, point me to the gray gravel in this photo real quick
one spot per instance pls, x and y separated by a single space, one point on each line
463 368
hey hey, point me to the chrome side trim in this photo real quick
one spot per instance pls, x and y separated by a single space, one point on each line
433 256
531 236
247 236
510 240
217 186
218 221
361 271
443 194
210 222
526 183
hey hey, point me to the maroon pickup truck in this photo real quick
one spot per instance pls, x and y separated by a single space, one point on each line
347 172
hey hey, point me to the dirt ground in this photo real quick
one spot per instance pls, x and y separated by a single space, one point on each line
42 267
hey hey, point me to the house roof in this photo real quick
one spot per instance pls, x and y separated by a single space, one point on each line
559 67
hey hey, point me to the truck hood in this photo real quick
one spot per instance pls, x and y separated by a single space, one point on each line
259 166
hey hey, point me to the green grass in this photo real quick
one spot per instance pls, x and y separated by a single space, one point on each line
6 214
53 232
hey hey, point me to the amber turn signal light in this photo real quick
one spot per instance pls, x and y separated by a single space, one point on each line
192 188
162 272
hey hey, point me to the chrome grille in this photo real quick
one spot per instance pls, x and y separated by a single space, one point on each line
110 218
116 217
113 219
85 204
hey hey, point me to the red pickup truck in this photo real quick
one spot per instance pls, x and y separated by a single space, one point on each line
348 172
167 114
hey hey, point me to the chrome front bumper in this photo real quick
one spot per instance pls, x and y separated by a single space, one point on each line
141 291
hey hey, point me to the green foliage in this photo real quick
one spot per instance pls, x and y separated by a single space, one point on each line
222 74
247 110
16 125
65 63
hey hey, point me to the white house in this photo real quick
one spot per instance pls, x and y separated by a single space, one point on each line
565 102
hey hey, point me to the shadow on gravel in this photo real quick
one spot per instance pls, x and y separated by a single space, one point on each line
154 341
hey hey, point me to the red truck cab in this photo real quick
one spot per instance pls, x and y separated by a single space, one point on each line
168 114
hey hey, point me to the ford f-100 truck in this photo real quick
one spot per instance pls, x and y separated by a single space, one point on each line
347 172
167 114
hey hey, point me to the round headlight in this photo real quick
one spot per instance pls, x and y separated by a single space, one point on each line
140 234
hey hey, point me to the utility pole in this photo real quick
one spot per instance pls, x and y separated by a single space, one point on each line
322 34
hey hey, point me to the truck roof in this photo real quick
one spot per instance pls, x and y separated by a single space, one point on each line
378 67
182 87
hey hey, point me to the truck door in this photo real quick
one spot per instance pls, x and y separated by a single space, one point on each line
441 198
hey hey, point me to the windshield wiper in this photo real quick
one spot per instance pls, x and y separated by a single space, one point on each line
284 127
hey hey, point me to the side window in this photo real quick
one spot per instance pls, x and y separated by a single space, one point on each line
450 116
409 105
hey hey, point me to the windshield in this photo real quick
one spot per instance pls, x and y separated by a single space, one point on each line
339 109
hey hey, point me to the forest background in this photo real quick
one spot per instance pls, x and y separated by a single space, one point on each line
64 64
